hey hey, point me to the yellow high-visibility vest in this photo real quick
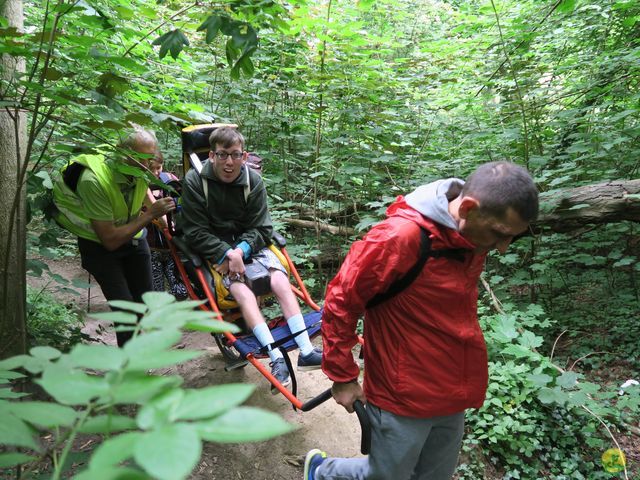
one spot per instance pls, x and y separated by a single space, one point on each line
71 214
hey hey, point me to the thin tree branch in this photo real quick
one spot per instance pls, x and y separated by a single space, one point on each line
624 464
517 84
553 349
582 358
555 6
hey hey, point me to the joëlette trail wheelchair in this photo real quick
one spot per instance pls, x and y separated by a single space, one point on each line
203 283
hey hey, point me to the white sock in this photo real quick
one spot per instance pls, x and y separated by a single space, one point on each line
263 334
296 323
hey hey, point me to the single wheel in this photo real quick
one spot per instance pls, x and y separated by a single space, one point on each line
230 354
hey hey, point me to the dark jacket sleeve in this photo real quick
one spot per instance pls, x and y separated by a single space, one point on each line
257 221
194 222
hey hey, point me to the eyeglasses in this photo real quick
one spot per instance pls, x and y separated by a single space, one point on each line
222 155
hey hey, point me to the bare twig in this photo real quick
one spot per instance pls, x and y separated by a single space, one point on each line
583 357
624 464
553 349
496 303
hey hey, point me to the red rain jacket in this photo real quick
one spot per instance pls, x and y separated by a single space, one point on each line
424 350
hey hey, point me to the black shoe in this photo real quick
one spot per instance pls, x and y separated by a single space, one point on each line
311 361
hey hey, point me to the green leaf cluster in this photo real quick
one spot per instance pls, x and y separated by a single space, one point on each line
94 386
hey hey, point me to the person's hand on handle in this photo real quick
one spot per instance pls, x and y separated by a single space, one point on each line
162 207
346 393
236 263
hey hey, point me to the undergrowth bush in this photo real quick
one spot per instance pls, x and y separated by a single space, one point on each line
538 421
51 323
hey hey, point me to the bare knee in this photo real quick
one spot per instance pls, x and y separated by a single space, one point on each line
241 293
279 282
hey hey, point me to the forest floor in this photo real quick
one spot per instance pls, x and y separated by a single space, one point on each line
328 426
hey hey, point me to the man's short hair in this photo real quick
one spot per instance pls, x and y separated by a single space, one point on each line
499 186
139 136
226 137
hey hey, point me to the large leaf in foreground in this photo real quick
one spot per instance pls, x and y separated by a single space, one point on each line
139 388
71 387
97 357
114 450
14 431
162 359
151 343
108 424
113 473
160 410
212 401
243 424
12 459
169 453
43 414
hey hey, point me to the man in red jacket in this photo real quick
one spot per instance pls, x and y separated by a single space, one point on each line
425 356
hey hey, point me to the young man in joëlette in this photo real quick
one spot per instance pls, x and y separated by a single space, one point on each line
229 227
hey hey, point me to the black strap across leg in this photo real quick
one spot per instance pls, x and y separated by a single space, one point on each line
280 342
287 360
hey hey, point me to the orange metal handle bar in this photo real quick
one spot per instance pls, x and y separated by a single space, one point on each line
301 291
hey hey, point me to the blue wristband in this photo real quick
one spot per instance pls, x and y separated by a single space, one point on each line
246 249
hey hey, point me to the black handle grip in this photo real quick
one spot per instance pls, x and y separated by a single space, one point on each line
365 426
361 412
315 401
278 239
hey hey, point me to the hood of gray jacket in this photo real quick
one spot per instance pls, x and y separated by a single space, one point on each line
432 200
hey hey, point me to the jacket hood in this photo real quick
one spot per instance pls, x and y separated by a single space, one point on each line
432 200
428 206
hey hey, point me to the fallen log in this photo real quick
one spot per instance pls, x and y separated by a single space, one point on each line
570 209
322 226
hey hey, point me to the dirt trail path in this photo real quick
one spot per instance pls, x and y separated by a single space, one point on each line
328 426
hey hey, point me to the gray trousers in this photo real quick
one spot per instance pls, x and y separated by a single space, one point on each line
402 448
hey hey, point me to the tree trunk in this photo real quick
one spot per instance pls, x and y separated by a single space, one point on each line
12 214
574 208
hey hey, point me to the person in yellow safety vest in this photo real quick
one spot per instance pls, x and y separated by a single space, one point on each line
103 207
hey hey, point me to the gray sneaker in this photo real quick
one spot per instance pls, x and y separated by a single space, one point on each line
310 361
281 372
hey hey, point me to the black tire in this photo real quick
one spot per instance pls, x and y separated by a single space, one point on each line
230 354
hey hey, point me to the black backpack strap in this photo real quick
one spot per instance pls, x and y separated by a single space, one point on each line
408 278
425 252
71 175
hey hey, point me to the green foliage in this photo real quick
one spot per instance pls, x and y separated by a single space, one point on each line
93 385
173 42
354 105
51 323
534 416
